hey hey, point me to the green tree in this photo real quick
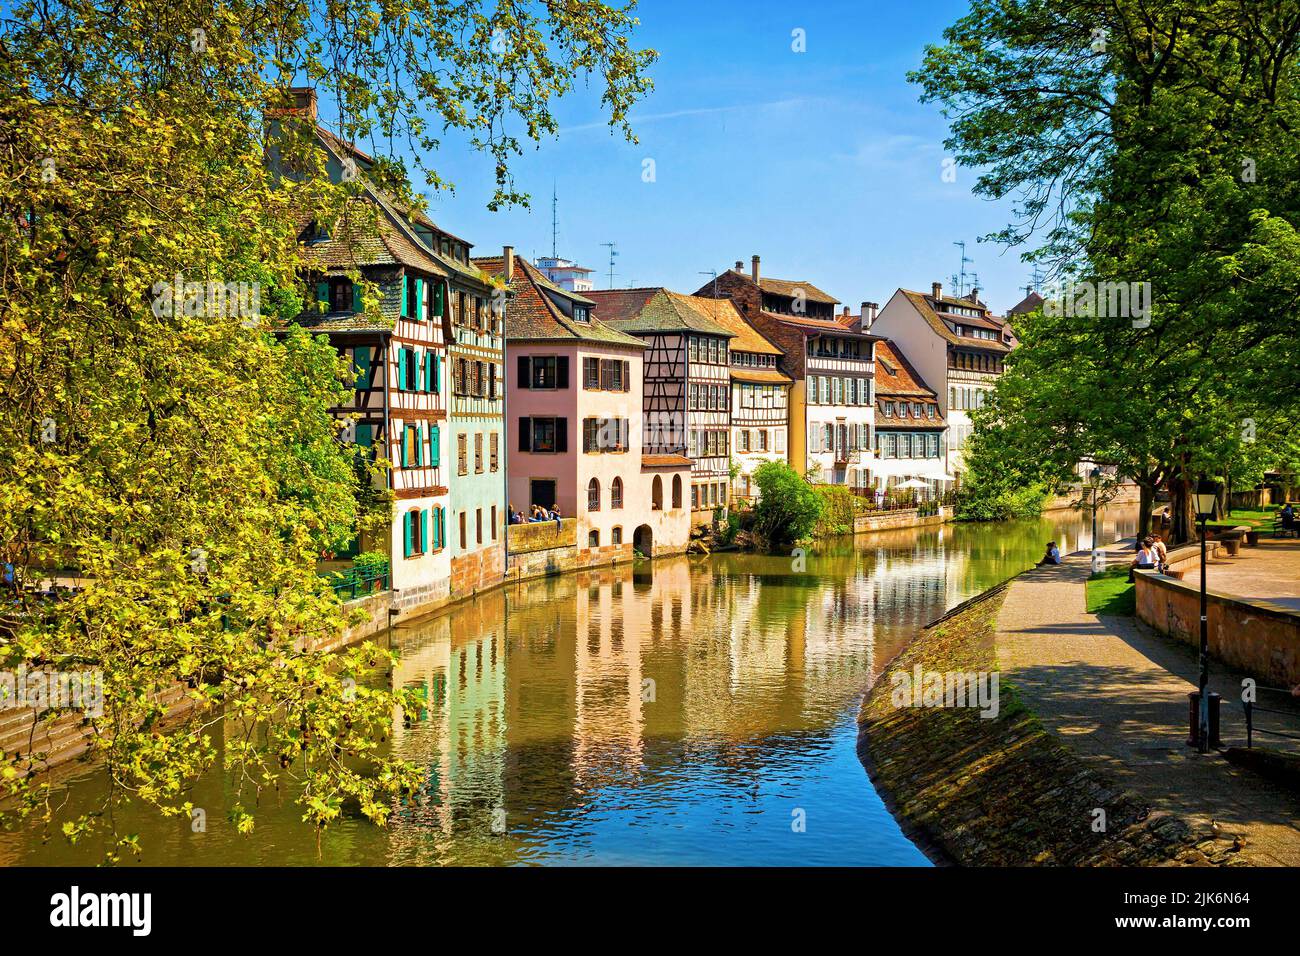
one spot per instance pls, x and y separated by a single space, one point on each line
1145 144
788 507
175 456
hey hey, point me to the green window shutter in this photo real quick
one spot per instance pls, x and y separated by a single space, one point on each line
416 311
442 526
437 372
402 280
323 294
435 446
406 535
439 299
361 360
424 529
365 435
404 451
401 369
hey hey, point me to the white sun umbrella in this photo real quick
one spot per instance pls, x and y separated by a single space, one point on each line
914 483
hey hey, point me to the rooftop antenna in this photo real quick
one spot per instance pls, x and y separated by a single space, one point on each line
555 219
714 273
1035 280
961 277
613 251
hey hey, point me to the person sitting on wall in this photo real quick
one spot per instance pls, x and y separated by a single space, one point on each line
1144 561
1052 555
555 513
1160 552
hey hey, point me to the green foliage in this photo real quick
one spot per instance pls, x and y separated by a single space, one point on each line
1164 155
789 507
838 508
183 462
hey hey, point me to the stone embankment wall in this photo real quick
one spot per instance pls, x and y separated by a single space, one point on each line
904 518
1259 638
1002 791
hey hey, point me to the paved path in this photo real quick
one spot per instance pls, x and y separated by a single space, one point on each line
1270 572
1117 694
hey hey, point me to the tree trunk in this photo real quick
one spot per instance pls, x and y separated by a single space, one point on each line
1182 510
1146 495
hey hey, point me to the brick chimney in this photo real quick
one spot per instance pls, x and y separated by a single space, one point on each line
754 271
304 100
508 262
936 290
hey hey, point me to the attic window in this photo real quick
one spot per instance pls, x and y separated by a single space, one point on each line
580 313
888 367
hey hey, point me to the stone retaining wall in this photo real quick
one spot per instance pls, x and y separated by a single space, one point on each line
1003 791
903 518
1255 637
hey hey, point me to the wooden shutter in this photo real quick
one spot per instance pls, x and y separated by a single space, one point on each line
416 307
562 371
525 372
437 372
361 360
435 446
365 435
562 432
323 294
424 529
525 434
405 448
406 535
627 371
401 369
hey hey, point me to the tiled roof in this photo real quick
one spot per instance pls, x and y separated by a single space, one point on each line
653 310
895 375
342 322
665 461
531 314
805 324
723 312
763 376
785 287
1027 304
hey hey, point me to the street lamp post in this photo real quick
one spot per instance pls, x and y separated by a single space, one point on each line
1204 509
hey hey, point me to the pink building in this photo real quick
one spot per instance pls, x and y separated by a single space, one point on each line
573 409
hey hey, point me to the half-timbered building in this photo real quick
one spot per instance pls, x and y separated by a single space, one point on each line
760 397
830 364
687 385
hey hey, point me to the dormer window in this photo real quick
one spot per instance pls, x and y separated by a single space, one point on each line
580 313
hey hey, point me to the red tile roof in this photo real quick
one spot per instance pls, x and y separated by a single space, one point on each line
895 374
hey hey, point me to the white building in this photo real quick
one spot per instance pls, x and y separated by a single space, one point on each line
567 275
956 345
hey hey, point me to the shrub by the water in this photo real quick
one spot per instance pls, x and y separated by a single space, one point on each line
788 508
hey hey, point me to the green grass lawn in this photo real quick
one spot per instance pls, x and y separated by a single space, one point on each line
1253 517
1110 593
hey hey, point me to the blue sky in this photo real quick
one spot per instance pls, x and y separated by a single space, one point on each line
823 162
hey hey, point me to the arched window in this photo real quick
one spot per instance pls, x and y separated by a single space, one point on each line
677 491
593 495
616 493
593 538
657 494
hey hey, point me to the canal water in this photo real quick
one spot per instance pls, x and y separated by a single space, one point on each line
694 710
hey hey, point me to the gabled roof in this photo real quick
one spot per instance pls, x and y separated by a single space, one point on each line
654 309
532 314
787 288
895 374
812 326
924 304
1028 304
724 313
397 242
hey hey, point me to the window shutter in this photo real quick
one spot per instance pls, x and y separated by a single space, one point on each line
562 433
401 368
424 529
562 371
361 359
323 294
365 435
525 434
402 280
627 371
435 446
406 535
437 371
416 309
525 372
406 447
439 298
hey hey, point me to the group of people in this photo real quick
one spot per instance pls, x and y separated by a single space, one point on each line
537 514
1287 516
1152 555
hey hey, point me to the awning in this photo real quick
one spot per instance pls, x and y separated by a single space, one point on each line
930 469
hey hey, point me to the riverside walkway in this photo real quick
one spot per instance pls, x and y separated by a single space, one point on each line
1117 695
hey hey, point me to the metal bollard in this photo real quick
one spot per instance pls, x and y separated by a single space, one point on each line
1194 718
